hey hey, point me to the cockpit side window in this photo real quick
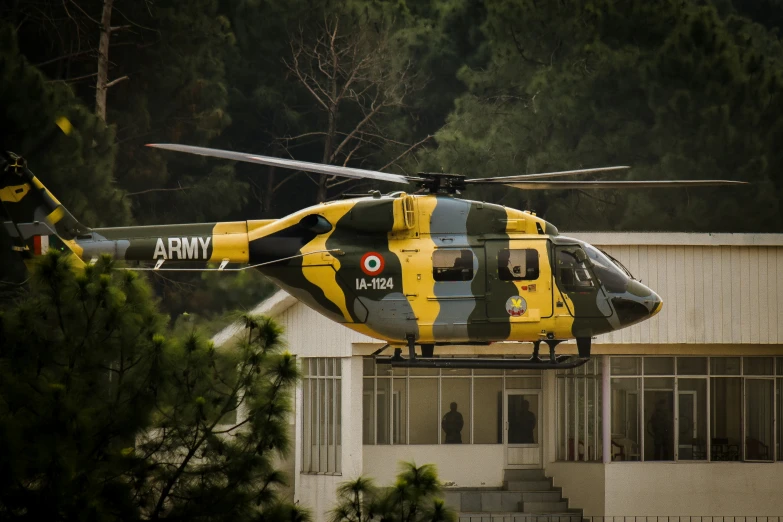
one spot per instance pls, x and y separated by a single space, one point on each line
573 270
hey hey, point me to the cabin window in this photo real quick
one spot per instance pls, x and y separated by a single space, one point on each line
321 415
452 265
518 264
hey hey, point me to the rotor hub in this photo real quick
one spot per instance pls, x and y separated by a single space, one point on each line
441 183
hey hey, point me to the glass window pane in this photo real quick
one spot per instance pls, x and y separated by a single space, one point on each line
306 421
571 402
452 265
368 366
521 383
368 412
692 365
329 365
523 411
591 432
383 399
322 426
659 418
400 412
759 418
724 365
692 419
338 367
338 415
399 372
780 418
455 406
424 421
758 365
452 372
561 418
320 361
517 264
659 365
725 418
780 365
625 365
626 443
488 414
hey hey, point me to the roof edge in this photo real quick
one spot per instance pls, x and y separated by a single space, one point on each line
272 306
677 238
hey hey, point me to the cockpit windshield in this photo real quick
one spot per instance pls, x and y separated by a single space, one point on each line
612 274
619 264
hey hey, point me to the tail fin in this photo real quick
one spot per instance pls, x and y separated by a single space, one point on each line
32 216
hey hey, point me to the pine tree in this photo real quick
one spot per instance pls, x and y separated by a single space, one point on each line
104 417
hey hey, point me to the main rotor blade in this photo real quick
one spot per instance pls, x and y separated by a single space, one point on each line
330 170
549 185
544 175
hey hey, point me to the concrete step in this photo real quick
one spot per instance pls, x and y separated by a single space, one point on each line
529 485
519 517
544 507
511 475
542 496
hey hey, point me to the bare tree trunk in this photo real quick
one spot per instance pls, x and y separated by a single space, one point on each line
103 61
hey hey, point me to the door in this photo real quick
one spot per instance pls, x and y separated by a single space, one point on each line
519 280
522 435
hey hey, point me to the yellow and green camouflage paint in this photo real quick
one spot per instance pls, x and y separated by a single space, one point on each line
435 268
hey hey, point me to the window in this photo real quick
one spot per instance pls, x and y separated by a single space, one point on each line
676 408
321 415
579 412
431 406
518 264
573 271
452 265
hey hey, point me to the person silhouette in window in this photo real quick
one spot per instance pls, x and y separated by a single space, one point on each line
522 425
452 424
660 427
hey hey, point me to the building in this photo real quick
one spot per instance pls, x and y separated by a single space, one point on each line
681 415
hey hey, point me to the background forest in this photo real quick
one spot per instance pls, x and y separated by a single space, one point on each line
677 89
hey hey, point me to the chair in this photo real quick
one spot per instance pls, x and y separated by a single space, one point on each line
756 450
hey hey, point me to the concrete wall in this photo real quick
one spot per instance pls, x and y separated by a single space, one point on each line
583 485
676 489
469 465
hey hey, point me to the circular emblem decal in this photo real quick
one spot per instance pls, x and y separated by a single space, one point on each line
516 306
372 263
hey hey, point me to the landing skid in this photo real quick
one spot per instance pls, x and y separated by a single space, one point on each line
535 362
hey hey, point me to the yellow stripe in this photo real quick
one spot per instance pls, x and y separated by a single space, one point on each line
317 268
417 281
56 215
64 124
229 241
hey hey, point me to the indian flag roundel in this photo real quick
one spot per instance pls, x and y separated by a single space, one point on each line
372 263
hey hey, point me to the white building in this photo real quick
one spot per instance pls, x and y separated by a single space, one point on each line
681 415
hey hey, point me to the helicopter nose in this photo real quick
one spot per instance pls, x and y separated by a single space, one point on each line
637 304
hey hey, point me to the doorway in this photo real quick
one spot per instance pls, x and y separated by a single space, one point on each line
523 428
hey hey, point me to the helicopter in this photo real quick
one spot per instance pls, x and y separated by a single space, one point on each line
423 268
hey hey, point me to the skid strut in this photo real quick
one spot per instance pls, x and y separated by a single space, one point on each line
535 362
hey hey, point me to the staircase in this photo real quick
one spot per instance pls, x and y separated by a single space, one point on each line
527 496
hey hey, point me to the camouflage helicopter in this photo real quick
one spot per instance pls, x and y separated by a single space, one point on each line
426 268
